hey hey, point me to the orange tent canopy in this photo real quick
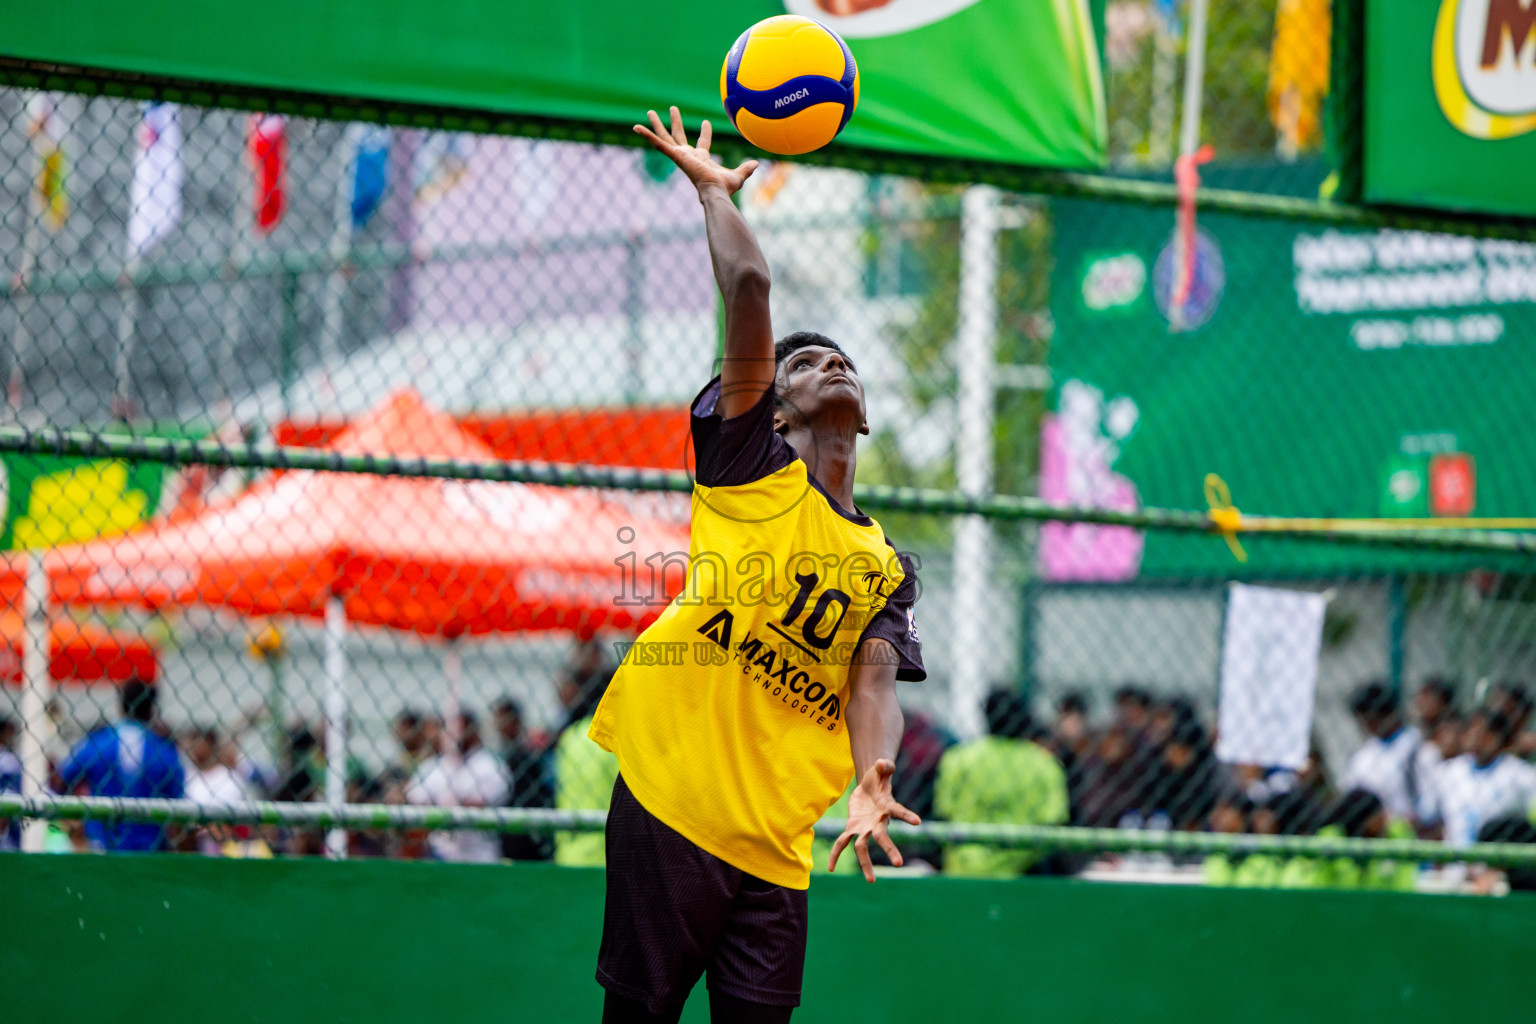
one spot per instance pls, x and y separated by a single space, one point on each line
432 556
79 653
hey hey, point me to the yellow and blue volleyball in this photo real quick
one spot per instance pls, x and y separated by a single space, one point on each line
789 85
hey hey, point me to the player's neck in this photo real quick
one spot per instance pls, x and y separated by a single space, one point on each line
830 456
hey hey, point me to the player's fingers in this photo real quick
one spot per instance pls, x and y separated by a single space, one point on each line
903 814
884 839
650 136
746 169
706 133
884 769
861 847
680 136
837 849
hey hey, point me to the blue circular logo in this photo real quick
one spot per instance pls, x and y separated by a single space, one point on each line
1206 286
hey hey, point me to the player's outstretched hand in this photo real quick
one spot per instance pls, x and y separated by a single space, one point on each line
694 161
870 809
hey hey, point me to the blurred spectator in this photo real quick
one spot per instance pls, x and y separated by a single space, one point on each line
410 734
584 774
1434 699
471 776
1434 703
1169 717
531 780
1002 778
433 740
1485 783
1229 816
1071 736
1511 828
1360 814
922 746
1386 763
1133 709
1072 741
1448 737
215 779
1514 700
1183 786
305 773
586 674
129 759
1114 780
10 782
212 780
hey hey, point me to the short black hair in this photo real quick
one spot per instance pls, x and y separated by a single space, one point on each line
801 339
1499 724
1375 699
507 706
1296 813
137 699
1073 703
1006 715
1441 687
408 717
1189 734
1518 698
1353 810
1133 694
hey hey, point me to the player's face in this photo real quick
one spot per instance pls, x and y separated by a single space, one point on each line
821 382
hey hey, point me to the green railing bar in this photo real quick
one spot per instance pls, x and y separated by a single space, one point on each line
541 821
93 81
180 451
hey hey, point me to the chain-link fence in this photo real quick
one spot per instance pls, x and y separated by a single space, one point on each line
336 447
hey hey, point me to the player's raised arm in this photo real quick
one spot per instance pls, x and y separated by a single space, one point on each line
740 268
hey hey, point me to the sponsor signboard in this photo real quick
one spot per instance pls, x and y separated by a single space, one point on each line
1016 81
1450 104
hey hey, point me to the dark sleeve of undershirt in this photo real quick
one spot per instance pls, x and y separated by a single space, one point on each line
739 450
897 624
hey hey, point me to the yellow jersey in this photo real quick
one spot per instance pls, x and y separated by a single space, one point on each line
726 714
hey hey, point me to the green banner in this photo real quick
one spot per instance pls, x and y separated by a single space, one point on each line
1016 81
1318 373
1450 104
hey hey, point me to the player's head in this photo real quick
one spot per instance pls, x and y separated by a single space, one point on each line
1488 733
137 699
1360 814
815 382
1007 715
1435 697
1376 705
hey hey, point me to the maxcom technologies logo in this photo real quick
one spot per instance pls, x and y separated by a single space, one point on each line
1485 66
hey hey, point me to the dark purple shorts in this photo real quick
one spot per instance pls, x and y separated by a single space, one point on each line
675 912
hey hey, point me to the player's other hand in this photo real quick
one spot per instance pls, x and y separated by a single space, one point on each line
870 810
694 161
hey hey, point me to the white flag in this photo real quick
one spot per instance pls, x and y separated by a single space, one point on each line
1268 675
155 195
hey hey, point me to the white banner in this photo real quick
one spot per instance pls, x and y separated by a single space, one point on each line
1268 675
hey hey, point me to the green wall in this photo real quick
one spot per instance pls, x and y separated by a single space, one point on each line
173 939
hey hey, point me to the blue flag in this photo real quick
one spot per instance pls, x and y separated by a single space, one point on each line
370 172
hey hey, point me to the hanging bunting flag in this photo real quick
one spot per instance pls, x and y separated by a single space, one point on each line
45 130
370 171
441 164
155 195
268 145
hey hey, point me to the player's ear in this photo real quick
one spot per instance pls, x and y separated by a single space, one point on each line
864 428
